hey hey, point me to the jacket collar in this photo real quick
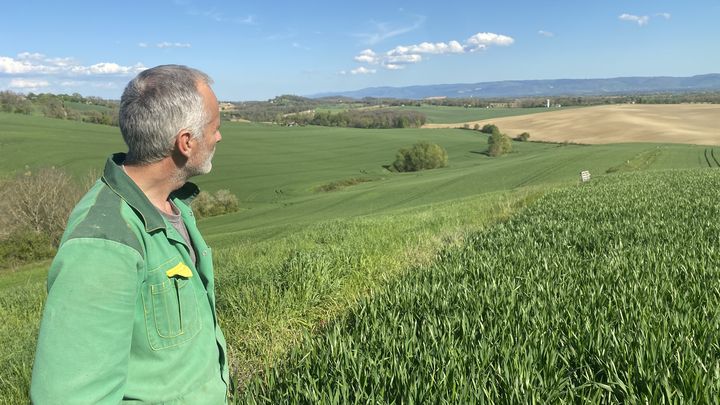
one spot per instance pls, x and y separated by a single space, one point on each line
118 181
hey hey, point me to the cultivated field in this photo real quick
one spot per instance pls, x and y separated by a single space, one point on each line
276 171
671 123
403 249
601 293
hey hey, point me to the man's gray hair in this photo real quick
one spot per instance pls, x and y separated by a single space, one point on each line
156 105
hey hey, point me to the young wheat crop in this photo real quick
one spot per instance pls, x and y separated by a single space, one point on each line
605 292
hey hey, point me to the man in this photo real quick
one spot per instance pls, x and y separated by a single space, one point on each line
130 312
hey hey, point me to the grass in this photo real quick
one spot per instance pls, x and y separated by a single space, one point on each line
22 294
293 259
24 275
37 141
275 170
599 293
271 292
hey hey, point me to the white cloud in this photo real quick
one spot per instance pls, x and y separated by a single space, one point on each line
28 83
362 70
166 44
640 20
89 83
37 72
547 34
482 40
409 58
30 56
61 62
109 68
427 47
383 31
39 64
663 15
402 55
367 56
12 66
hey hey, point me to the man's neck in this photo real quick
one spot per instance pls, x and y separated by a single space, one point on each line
157 180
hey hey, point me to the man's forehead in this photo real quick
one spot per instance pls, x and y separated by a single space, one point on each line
207 92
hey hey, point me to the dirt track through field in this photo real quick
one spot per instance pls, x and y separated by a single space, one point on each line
671 123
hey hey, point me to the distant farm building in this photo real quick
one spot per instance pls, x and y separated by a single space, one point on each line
227 107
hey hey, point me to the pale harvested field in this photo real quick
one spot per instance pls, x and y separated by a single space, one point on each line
673 123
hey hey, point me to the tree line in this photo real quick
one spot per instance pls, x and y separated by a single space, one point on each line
62 106
275 109
381 118
532 102
658 98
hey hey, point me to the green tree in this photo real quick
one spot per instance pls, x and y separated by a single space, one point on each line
54 109
489 129
498 144
421 156
227 201
208 205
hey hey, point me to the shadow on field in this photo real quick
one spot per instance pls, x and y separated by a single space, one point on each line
477 152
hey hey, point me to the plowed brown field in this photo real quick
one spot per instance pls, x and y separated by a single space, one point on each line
672 123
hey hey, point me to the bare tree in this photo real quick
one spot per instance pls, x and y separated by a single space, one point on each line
39 201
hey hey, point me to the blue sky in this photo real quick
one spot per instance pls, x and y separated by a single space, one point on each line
255 50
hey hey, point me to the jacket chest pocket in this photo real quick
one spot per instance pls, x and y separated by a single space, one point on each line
171 308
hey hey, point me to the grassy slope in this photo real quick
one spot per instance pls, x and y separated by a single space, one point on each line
369 232
271 292
37 141
275 170
22 294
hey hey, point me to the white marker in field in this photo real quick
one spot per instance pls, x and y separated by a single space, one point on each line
584 176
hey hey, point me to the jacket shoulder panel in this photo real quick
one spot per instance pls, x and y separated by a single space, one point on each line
106 218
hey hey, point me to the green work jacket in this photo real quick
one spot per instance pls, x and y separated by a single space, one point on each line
129 316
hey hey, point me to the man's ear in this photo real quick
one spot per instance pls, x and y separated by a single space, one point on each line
183 142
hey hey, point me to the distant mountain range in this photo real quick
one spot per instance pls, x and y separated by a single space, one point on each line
541 88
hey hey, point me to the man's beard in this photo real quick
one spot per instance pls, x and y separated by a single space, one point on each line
203 168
